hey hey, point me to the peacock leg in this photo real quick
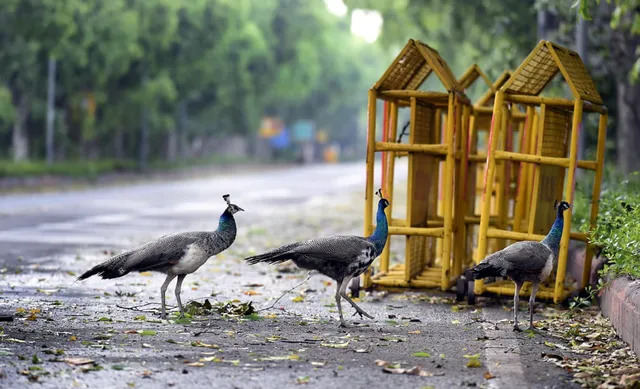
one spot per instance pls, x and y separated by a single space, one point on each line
516 300
163 290
178 290
532 301
338 286
343 293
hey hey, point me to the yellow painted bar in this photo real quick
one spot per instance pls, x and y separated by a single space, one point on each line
533 205
489 171
555 102
461 197
419 148
502 181
536 159
542 160
448 195
418 94
531 167
370 162
410 183
437 232
595 196
521 195
569 191
388 190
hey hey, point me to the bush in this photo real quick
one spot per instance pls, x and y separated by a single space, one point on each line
617 232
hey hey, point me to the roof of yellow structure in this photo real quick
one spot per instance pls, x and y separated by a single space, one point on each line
487 98
471 75
413 65
543 63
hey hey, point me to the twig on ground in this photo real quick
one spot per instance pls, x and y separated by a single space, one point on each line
284 294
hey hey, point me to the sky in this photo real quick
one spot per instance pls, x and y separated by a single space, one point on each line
364 23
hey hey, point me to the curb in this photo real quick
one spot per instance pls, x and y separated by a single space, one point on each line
620 302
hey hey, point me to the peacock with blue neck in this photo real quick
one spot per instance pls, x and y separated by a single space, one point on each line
379 236
552 240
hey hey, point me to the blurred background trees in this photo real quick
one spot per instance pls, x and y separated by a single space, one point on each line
144 82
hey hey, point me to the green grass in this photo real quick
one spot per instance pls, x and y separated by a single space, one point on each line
88 169
93 169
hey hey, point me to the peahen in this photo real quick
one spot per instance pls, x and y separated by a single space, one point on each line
340 257
525 261
176 255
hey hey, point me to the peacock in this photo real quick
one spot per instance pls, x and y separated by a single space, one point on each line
525 261
340 257
176 255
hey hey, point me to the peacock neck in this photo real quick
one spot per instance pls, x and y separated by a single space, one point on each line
552 240
379 236
227 222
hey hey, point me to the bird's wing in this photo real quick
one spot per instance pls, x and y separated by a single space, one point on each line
162 252
338 248
525 256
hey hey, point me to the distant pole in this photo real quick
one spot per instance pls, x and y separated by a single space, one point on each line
51 86
581 48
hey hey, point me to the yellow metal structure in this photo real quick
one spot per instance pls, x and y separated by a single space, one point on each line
549 149
505 180
427 148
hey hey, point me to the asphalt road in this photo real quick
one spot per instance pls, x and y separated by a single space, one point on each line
47 239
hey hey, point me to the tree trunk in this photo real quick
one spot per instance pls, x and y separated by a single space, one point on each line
118 144
20 142
51 86
144 128
183 122
628 126
172 145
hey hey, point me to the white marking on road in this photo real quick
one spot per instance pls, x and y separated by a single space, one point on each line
503 359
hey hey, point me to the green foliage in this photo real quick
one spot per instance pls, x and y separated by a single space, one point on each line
228 62
617 232
625 16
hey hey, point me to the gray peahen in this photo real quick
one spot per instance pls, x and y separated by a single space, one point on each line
340 257
176 255
525 261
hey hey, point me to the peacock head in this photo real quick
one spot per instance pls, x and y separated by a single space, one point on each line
561 207
231 208
383 203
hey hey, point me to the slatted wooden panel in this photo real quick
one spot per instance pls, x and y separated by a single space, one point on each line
555 143
424 176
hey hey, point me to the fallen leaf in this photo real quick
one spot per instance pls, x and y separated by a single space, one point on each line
473 360
145 273
147 332
201 344
487 375
78 361
298 299
290 357
253 285
336 345
416 332
251 292
303 380
314 363
421 354
195 364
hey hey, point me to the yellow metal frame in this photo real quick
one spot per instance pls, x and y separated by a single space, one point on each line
426 150
505 185
524 88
